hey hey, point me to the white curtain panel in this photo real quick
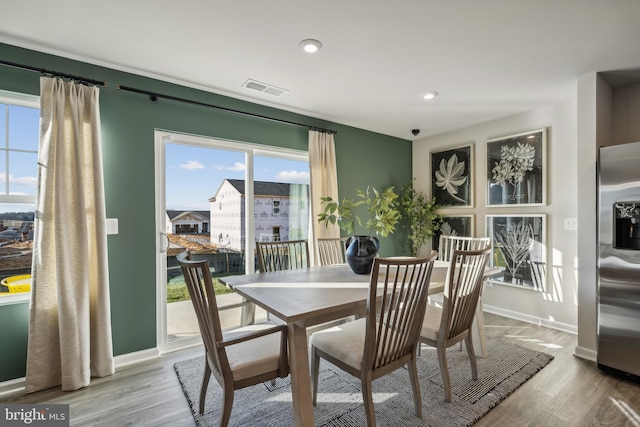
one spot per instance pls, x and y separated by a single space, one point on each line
70 322
324 179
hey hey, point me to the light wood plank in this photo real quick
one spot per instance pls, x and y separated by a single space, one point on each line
569 392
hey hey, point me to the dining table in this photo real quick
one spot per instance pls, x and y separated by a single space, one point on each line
305 297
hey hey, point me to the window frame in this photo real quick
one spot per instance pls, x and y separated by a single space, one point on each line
250 150
20 100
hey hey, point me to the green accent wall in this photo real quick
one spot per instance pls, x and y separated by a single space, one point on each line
14 330
128 122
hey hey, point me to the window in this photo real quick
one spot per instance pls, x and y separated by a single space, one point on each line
19 136
198 175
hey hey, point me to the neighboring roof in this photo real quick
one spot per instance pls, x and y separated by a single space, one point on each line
263 188
172 214
25 227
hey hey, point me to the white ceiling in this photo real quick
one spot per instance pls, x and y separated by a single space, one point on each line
487 58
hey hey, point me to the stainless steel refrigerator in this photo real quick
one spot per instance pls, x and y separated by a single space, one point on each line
619 258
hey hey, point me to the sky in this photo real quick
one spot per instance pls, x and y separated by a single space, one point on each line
23 134
194 174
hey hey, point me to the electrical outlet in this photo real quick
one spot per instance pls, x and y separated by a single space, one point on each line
571 223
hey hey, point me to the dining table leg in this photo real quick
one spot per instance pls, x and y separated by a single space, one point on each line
477 332
248 313
300 375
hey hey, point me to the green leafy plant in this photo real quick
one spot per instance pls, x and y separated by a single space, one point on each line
381 208
422 221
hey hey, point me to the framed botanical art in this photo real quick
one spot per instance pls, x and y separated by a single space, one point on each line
451 177
519 250
458 225
516 169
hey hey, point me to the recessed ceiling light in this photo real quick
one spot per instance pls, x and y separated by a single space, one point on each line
311 45
430 95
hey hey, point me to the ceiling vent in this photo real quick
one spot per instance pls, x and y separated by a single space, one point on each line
263 87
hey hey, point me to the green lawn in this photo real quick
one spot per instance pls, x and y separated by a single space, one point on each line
177 289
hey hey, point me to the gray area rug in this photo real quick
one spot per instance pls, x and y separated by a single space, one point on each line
340 401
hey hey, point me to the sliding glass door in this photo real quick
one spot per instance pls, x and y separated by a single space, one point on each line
202 189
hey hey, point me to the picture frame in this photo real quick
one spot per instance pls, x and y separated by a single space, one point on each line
519 249
516 169
458 225
452 176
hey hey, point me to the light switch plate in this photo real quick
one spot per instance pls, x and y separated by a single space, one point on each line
112 225
571 223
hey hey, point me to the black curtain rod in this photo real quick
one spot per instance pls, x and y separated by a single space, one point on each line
154 97
54 73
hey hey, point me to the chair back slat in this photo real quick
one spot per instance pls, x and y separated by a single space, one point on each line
331 251
538 275
448 244
285 255
197 276
396 304
466 275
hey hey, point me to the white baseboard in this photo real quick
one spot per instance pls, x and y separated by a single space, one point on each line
580 352
135 357
564 327
11 388
15 388
586 353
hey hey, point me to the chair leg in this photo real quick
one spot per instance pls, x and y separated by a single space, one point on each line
315 370
415 386
367 398
444 371
227 402
472 356
205 384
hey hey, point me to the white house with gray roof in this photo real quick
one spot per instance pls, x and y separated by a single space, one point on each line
187 222
281 212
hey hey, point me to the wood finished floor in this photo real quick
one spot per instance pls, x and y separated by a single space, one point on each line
568 392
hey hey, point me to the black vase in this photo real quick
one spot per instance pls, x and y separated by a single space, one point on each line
361 250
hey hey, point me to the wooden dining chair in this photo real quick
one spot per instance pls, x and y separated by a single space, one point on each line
331 250
448 244
283 255
449 325
386 338
239 358
538 275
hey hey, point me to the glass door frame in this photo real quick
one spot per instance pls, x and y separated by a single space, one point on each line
161 138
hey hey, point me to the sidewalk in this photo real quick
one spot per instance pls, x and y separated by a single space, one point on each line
182 320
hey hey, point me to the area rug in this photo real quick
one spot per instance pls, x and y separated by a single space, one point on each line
340 401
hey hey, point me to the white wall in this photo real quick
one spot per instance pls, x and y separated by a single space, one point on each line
557 306
605 117
625 118
594 128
